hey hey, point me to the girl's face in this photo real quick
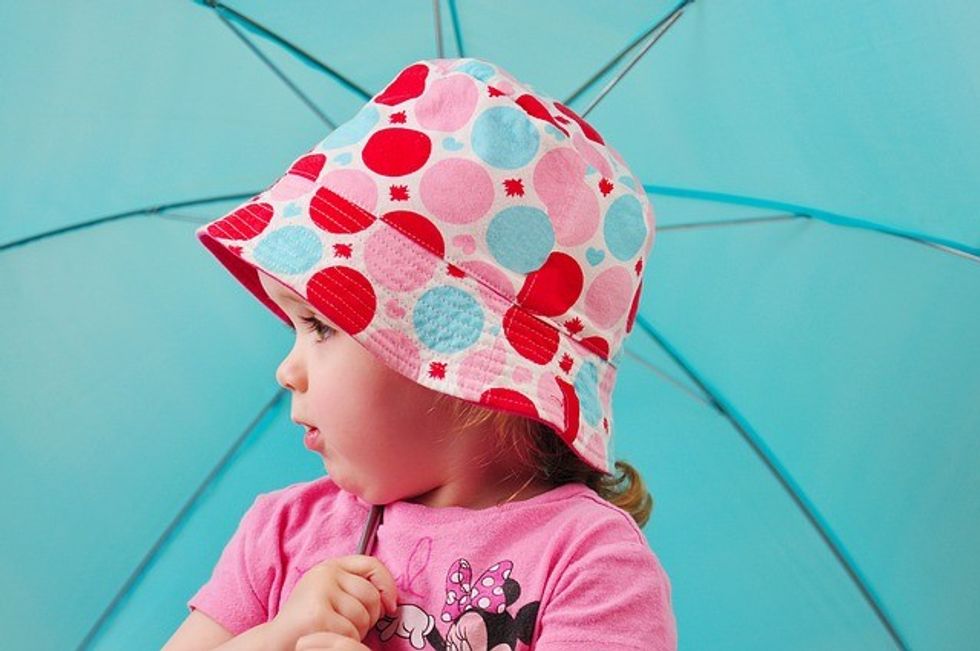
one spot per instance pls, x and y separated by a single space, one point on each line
380 436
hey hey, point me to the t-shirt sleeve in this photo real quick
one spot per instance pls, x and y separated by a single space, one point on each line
237 592
613 596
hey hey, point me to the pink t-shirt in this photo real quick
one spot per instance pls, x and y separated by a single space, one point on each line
562 570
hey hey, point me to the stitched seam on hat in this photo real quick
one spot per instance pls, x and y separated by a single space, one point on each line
473 279
514 333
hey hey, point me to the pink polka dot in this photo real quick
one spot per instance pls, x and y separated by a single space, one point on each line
591 155
457 190
447 104
354 185
609 296
606 384
483 366
522 374
498 301
572 206
393 260
289 187
550 397
504 86
390 339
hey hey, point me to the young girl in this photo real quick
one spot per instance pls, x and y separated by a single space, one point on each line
461 262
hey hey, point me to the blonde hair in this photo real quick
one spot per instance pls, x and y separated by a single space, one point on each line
538 446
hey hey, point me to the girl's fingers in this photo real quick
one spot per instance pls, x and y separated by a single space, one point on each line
342 626
364 592
353 611
374 571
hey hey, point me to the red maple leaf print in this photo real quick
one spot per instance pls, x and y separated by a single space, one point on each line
237 250
605 424
397 118
493 92
514 187
437 370
574 326
342 250
639 266
398 192
561 118
605 186
566 362
453 270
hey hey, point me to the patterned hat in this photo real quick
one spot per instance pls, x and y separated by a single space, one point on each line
479 237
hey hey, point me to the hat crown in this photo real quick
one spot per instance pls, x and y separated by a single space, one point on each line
505 183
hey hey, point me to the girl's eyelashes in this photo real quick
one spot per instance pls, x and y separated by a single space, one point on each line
317 326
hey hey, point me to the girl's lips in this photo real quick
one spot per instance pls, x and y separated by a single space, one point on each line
312 439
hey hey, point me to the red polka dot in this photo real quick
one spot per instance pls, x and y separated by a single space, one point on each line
308 167
571 405
418 228
554 287
598 345
407 85
532 338
509 400
636 303
344 296
396 151
334 214
243 224
587 128
536 109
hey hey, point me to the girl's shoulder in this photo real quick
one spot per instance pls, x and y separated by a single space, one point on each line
583 511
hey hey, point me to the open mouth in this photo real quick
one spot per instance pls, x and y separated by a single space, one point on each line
312 439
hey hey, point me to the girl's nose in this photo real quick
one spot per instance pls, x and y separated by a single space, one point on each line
291 374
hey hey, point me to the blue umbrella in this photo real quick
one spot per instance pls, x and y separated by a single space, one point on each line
800 392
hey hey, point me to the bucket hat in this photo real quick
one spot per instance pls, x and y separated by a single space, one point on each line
479 237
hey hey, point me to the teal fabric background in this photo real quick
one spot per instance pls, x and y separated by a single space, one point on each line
139 410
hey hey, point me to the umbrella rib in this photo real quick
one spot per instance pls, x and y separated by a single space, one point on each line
309 59
279 73
438 24
178 520
836 219
657 32
667 376
130 213
792 489
458 34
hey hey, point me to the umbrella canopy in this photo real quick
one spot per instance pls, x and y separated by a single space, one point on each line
800 393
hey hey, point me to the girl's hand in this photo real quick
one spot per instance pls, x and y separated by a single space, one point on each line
328 642
340 595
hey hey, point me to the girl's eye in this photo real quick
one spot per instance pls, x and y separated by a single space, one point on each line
317 326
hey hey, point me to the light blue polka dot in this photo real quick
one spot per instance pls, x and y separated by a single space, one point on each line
624 227
290 249
476 69
342 159
520 238
447 319
353 130
505 138
627 180
586 388
589 171
553 131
